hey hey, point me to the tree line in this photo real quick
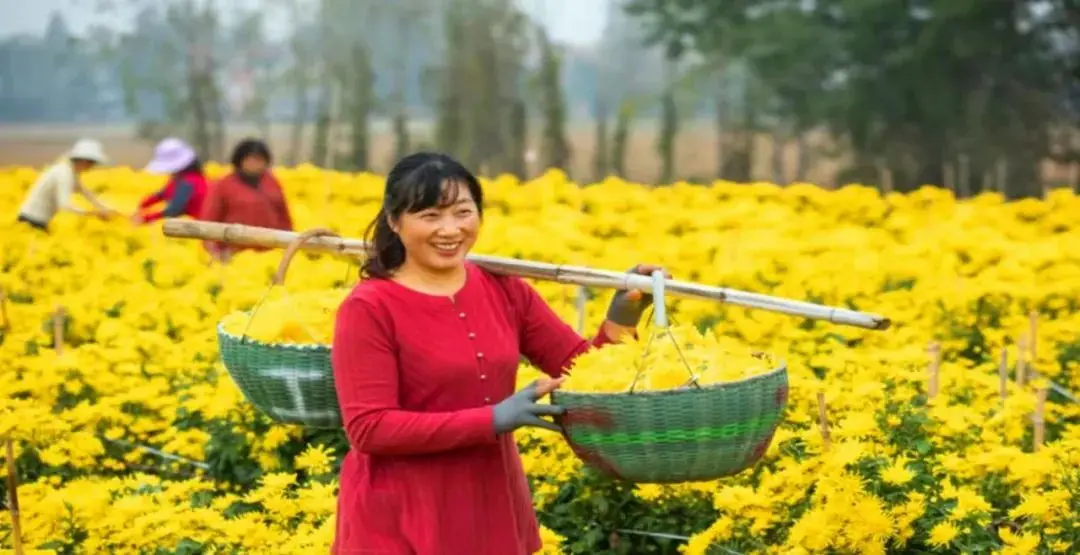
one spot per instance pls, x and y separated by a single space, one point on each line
969 94
972 94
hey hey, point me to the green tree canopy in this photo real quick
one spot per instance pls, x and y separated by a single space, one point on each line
916 85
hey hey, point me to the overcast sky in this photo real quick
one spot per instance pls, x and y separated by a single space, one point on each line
569 21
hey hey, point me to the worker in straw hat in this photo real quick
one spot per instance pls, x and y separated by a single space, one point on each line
186 189
54 187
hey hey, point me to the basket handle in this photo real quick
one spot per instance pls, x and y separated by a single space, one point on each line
283 267
660 322
294 247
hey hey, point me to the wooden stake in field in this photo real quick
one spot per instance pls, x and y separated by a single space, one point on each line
1033 335
823 421
1021 360
1003 375
6 324
13 498
934 370
1038 419
58 330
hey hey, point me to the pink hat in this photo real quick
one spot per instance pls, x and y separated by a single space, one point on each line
170 156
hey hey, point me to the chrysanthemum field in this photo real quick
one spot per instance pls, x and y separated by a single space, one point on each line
130 437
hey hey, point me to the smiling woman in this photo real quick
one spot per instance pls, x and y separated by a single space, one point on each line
425 355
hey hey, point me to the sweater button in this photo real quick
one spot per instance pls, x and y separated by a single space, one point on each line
479 355
461 315
472 335
483 376
487 399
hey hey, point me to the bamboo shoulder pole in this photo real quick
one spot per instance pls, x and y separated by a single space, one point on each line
238 234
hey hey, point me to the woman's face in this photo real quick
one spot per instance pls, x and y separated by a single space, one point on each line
253 164
438 238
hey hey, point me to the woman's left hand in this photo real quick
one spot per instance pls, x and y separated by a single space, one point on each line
627 306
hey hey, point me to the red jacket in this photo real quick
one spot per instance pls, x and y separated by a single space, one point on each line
232 201
417 378
194 205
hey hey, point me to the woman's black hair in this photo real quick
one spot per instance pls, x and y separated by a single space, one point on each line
415 183
248 147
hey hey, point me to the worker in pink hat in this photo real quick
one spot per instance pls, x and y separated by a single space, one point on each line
186 189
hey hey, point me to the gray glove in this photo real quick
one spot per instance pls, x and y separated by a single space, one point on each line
521 409
626 311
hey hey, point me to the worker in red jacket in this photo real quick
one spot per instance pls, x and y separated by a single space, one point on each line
186 190
249 195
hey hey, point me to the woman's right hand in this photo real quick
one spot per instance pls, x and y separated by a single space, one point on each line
521 408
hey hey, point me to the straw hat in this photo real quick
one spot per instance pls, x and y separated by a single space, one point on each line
88 149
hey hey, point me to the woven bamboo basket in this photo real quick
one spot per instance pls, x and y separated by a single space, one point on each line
682 435
291 384
692 433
